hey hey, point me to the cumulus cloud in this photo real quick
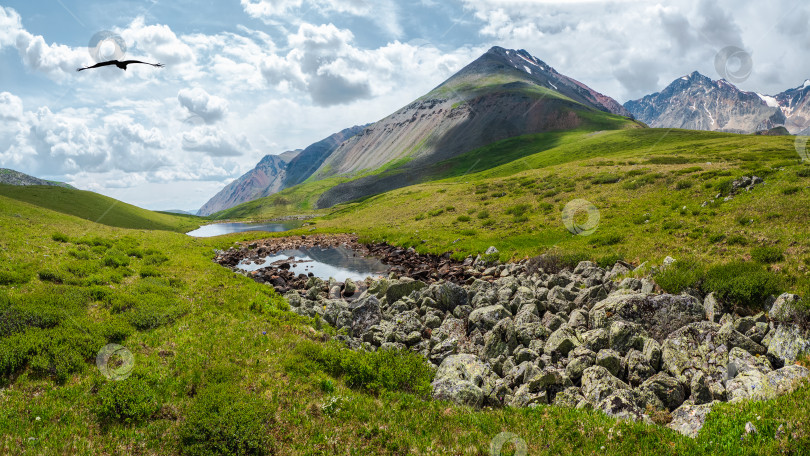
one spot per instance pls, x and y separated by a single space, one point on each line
200 103
11 106
325 63
215 142
158 41
382 12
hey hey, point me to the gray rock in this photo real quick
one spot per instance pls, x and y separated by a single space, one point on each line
561 300
596 339
788 308
581 359
745 362
693 348
713 308
491 251
502 340
561 341
659 315
701 392
569 397
787 343
552 321
688 419
610 360
625 336
598 383
621 404
486 318
442 350
638 369
527 333
549 379
366 315
652 353
733 338
460 379
578 319
449 296
666 389
401 288
524 355
523 397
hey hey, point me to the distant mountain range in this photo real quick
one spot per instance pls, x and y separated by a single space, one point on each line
696 102
12 177
503 94
276 172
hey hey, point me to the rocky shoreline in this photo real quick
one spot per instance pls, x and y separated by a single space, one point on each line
521 335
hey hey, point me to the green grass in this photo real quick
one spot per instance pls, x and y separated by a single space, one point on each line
222 366
98 208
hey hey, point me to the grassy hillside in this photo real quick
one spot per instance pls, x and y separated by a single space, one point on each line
649 187
219 365
98 208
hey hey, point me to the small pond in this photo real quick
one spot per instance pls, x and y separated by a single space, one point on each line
219 229
340 263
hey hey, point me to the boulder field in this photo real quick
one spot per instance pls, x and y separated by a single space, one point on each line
520 336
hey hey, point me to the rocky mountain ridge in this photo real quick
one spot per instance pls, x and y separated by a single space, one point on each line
696 102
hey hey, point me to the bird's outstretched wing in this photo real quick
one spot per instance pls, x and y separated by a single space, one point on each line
98 65
127 62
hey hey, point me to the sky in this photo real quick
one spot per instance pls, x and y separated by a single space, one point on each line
247 78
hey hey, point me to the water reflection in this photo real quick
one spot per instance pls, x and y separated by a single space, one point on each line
340 263
219 229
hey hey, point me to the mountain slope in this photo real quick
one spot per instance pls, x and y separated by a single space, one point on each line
795 105
276 172
502 94
12 177
696 102
265 179
97 208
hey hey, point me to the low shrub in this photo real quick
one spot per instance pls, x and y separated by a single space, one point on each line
517 210
60 237
602 179
684 184
463 218
126 401
742 284
483 214
668 160
155 259
606 240
16 277
737 239
224 420
767 255
679 276
383 370
115 258
791 190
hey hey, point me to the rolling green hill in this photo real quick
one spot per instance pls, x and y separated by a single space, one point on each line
218 361
98 208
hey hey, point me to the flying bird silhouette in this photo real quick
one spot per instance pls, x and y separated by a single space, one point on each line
119 64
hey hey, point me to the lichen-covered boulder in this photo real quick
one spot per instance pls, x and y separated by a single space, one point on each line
638 369
621 404
569 397
666 389
732 338
561 341
460 379
398 289
596 339
695 347
610 360
744 362
502 340
580 359
788 308
449 296
788 342
659 315
365 315
755 385
598 384
524 397
625 336
688 419
486 318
